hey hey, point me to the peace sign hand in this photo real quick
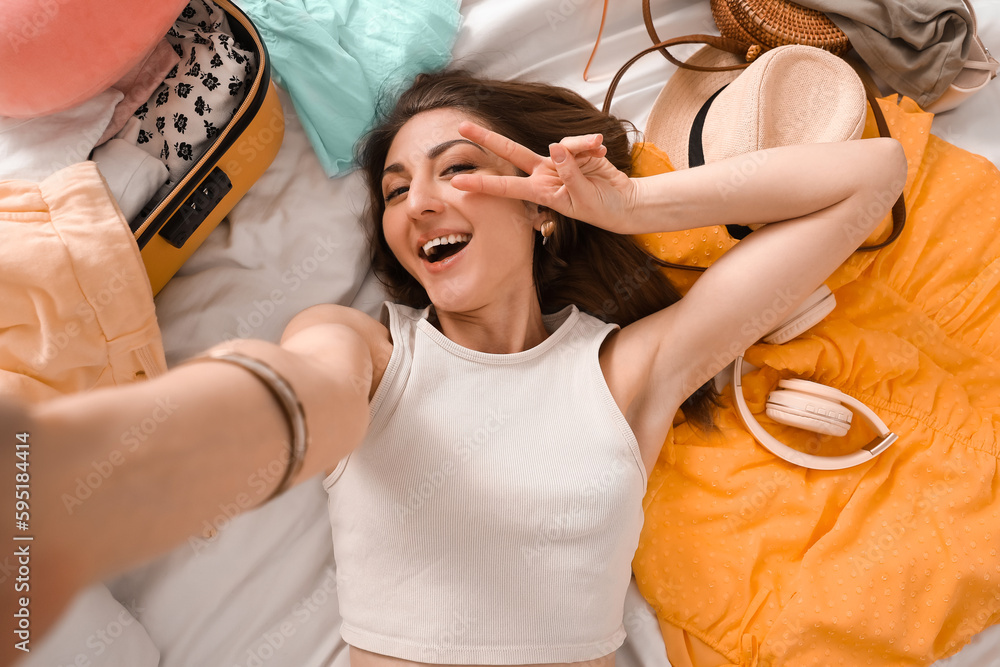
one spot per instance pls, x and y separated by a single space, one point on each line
575 179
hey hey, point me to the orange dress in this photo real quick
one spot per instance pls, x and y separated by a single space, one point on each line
752 561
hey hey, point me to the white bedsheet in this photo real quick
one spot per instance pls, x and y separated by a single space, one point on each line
260 592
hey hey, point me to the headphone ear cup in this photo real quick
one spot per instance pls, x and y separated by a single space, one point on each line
808 412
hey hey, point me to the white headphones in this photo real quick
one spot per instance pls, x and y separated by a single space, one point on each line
809 405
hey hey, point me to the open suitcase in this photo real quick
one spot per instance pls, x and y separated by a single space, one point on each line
176 225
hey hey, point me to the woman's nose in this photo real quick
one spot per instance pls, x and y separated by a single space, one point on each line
423 197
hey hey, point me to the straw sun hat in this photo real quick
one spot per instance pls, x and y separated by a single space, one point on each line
789 95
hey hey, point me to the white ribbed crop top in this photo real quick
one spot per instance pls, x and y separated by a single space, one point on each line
492 512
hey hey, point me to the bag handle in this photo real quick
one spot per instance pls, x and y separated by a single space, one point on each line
647 18
899 208
722 43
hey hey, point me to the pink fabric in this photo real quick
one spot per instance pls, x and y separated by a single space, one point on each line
59 53
138 85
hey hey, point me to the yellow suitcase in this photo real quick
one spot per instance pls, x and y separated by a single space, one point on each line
241 152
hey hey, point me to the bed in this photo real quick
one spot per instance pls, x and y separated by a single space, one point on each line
259 589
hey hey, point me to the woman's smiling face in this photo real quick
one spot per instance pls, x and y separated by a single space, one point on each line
494 236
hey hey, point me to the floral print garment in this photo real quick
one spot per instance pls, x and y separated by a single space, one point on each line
200 95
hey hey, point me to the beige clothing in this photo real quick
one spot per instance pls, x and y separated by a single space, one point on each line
76 309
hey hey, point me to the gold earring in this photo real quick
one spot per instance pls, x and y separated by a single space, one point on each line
546 230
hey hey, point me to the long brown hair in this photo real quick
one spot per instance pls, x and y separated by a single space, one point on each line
604 274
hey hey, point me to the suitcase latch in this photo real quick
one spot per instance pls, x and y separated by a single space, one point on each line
189 216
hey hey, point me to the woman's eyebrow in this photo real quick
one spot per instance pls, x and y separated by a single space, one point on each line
441 148
395 167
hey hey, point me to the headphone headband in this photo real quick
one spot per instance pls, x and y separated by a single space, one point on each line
882 441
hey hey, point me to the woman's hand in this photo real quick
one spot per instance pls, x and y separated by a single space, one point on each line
575 179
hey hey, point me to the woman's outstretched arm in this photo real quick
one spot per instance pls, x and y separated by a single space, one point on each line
120 475
824 201
818 203
768 186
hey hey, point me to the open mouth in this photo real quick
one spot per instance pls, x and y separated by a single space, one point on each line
444 248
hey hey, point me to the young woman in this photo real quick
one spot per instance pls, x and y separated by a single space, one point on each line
502 415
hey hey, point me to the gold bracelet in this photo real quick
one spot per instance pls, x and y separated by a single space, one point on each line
290 404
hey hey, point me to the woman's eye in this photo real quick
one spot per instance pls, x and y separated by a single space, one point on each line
448 171
394 193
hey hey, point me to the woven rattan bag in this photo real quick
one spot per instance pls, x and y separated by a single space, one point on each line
772 23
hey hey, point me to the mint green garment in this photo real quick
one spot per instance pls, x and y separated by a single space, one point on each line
336 57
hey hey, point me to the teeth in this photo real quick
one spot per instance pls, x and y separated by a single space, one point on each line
452 238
